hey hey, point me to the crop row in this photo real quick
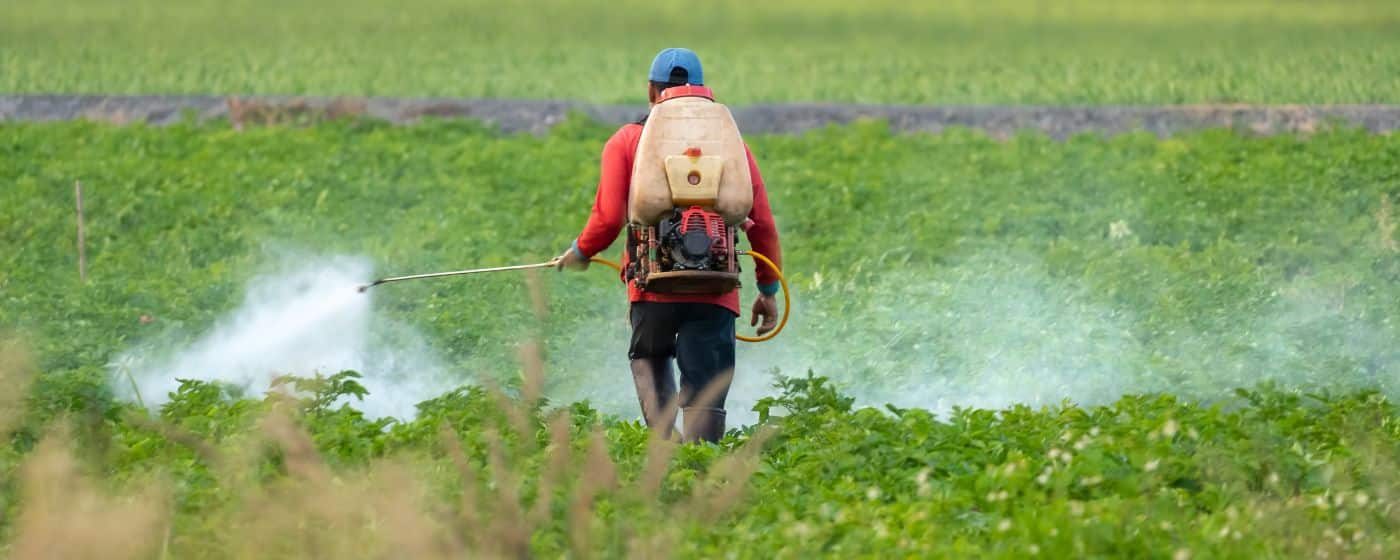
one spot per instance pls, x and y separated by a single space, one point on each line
1016 52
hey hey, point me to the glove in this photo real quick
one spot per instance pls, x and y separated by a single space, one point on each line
572 259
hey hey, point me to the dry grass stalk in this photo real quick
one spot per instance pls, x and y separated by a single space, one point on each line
64 516
298 451
710 393
236 112
709 396
660 450
82 233
560 453
517 417
310 513
658 541
520 424
16 374
316 513
539 300
407 532
470 501
665 428
1385 223
723 487
508 524
532 374
531 352
293 518
599 476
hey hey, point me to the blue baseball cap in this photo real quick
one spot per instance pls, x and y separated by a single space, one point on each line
669 59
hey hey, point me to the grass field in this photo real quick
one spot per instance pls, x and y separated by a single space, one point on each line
1024 52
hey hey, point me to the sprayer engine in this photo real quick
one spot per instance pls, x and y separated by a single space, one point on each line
697 240
691 251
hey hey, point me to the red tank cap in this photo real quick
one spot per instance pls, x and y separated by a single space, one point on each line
686 91
693 152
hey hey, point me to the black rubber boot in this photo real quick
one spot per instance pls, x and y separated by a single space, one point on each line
703 424
656 392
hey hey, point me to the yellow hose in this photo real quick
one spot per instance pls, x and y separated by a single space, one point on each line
759 257
607 263
787 299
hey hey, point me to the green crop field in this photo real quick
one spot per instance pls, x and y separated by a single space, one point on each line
883 51
930 271
1134 254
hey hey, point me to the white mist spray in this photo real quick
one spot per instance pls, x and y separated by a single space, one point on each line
997 329
301 320
991 332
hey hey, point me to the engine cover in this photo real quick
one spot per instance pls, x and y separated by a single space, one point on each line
696 238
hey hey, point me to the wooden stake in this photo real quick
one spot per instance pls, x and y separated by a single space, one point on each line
82 242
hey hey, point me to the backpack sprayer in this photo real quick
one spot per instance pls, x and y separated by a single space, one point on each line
759 257
691 193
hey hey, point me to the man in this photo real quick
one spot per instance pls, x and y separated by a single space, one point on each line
696 329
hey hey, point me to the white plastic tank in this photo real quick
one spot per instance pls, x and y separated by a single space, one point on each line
690 154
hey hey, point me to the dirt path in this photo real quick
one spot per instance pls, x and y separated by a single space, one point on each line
540 115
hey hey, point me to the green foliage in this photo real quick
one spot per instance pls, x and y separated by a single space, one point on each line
1272 472
881 51
1031 268
1141 477
927 268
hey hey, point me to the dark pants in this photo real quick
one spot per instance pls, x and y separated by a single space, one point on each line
701 338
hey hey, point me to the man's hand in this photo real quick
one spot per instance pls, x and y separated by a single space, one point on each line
767 308
572 259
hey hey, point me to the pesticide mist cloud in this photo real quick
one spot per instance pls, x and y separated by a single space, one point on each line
300 319
988 330
997 329
993 331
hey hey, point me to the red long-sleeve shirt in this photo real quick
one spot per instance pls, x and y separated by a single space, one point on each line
609 215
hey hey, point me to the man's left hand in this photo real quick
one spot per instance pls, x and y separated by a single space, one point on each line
766 308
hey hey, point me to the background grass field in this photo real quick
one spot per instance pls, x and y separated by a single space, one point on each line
1026 52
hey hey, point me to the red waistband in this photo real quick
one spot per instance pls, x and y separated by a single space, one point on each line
686 91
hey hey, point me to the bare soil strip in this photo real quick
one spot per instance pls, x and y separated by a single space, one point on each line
537 116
